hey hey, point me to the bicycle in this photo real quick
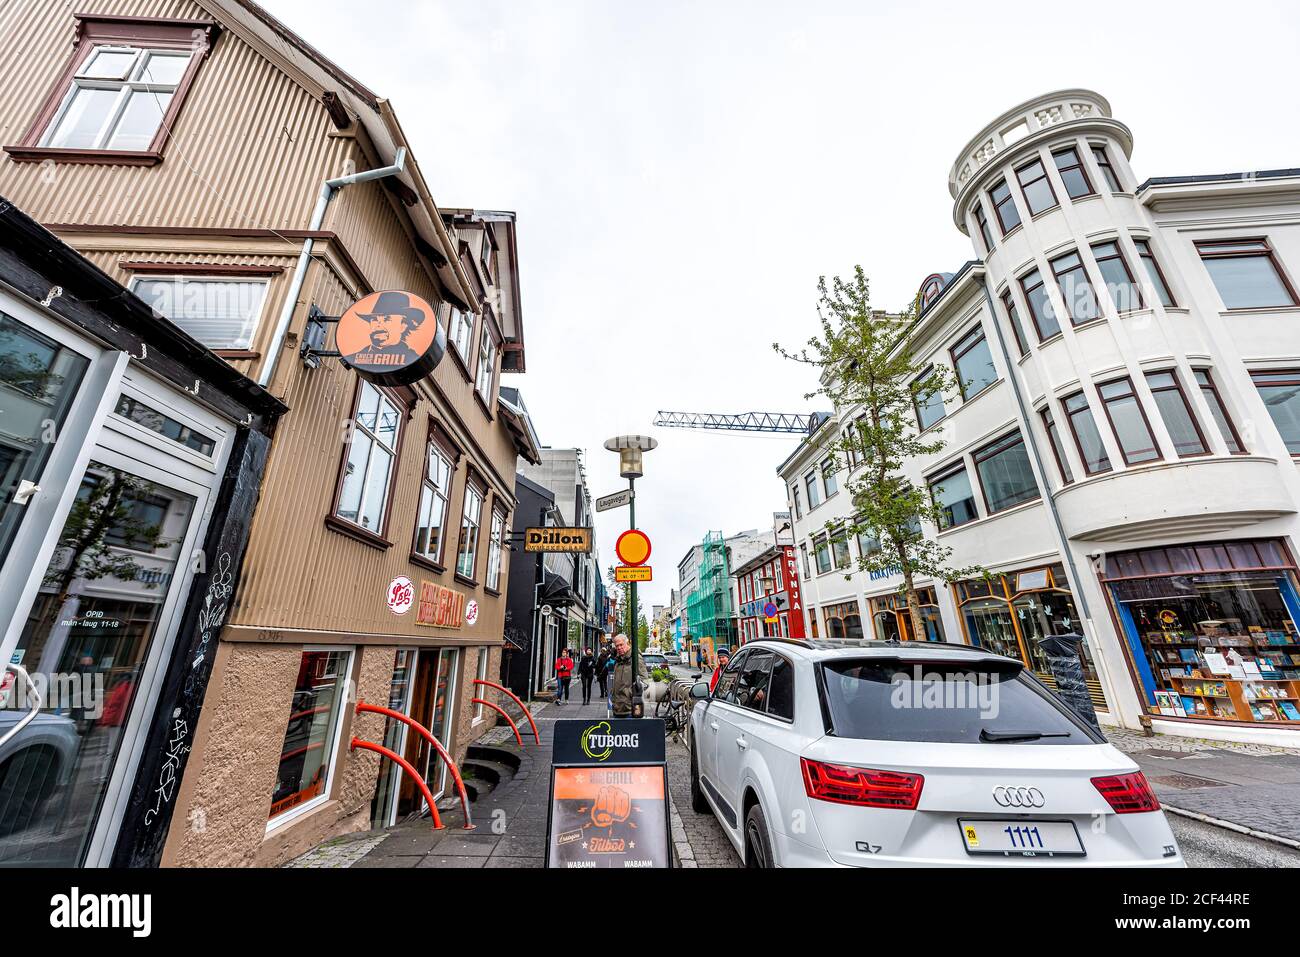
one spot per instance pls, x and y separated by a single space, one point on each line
675 709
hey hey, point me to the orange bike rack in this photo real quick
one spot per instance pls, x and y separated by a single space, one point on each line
501 711
405 765
509 694
363 708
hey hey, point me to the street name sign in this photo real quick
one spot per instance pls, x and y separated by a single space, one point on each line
609 795
633 573
617 500
557 540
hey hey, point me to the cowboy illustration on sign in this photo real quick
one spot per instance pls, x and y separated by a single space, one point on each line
391 337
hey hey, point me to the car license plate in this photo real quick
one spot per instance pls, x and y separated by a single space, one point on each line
1022 838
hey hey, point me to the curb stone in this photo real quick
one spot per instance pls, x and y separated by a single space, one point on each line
1231 826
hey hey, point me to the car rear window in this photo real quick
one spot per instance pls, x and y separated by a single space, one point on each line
944 702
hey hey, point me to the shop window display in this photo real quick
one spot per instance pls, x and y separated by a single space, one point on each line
892 621
843 621
1011 614
306 759
1212 630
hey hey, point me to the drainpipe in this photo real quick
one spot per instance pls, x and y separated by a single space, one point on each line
1066 555
330 187
1033 450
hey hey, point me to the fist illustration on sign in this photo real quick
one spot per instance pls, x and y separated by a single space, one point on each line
613 805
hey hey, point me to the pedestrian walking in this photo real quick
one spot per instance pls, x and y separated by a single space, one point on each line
724 658
622 696
563 676
586 673
603 664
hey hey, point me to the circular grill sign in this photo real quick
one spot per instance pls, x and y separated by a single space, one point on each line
401 595
391 337
471 612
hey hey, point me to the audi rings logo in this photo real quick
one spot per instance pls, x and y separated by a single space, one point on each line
1019 797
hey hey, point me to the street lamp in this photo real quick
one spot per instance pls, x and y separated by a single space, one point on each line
630 449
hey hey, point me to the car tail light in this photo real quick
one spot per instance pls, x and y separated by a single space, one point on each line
864 787
1127 793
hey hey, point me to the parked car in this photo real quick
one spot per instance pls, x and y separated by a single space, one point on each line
653 660
850 738
33 765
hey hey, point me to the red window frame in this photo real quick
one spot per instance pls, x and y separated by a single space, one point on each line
1010 200
1075 164
1059 272
157 33
1210 392
1009 305
1102 158
1176 385
982 220
1119 257
1042 177
1085 409
1254 247
1026 289
1131 393
1058 451
1155 273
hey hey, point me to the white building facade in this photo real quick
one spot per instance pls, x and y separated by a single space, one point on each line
1122 455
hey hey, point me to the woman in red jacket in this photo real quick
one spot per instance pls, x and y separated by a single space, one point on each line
563 675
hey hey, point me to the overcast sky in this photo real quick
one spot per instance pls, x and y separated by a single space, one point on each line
683 171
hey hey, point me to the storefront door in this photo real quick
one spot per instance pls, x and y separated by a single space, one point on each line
431 704
105 589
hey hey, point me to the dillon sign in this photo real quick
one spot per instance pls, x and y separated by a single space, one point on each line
557 540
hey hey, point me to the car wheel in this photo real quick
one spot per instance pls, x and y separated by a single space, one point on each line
698 803
26 782
758 846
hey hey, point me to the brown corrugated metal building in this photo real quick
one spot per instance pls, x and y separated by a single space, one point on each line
182 145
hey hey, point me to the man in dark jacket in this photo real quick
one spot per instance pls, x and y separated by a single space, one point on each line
624 697
602 670
586 673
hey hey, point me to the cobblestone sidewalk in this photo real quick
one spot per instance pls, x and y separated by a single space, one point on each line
1253 787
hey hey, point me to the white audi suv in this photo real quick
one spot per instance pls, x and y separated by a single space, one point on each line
867 753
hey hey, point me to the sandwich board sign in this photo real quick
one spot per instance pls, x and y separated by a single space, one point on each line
609 795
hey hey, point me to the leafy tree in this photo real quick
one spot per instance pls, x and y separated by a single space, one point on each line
868 368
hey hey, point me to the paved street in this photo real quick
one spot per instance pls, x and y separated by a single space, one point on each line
1248 788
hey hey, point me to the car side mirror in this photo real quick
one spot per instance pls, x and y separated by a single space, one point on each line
700 690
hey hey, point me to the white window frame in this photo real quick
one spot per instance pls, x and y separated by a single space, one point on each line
432 449
496 537
358 427
255 320
487 366
460 324
480 672
466 525
128 84
280 820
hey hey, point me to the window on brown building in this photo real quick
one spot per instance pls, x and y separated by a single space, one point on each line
120 92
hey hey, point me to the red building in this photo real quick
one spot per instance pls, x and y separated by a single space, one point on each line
768 599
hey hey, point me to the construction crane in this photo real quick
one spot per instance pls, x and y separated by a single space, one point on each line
787 422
